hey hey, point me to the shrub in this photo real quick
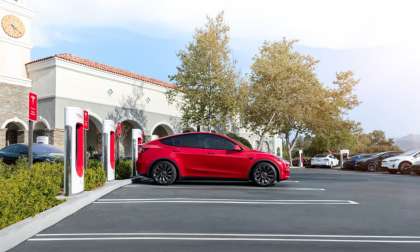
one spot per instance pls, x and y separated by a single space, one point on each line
240 139
123 169
25 192
94 175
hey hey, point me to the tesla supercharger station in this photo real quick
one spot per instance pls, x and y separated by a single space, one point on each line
108 151
300 158
136 140
344 154
74 151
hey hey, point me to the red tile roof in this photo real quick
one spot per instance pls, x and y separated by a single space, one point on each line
106 68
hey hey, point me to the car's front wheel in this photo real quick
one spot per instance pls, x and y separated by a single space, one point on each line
164 173
405 168
264 174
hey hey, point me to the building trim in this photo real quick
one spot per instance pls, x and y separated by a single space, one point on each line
15 81
162 123
44 121
103 68
14 120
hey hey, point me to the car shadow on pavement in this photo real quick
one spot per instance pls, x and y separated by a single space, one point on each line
234 183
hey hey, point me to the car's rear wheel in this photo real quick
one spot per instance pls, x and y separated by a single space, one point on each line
405 168
164 173
264 174
371 167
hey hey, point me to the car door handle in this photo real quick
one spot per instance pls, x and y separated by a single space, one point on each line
211 153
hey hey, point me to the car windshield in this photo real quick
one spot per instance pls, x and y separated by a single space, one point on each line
410 153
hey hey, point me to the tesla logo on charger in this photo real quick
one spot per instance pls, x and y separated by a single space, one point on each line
86 120
33 106
119 129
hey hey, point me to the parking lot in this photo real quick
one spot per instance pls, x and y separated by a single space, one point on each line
316 210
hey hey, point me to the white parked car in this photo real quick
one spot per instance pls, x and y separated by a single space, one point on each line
401 163
324 160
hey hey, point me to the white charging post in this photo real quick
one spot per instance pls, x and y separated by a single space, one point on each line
74 151
108 149
136 140
301 158
344 154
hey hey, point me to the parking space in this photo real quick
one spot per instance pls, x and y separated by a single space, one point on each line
317 210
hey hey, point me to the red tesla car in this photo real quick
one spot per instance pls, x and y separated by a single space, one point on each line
208 155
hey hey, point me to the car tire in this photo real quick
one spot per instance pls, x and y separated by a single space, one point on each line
164 173
371 167
405 168
264 174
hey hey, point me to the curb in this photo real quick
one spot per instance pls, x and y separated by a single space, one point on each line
14 234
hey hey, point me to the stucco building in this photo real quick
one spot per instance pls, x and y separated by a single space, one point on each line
64 80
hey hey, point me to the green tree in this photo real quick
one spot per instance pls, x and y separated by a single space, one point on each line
375 141
286 97
206 77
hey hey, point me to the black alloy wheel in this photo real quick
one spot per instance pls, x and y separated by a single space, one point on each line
164 173
264 174
405 168
371 167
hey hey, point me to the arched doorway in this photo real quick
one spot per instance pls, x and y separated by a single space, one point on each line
162 130
40 129
265 147
187 130
15 133
94 138
126 135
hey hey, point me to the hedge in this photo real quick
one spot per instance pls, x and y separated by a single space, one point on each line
25 192
94 175
123 169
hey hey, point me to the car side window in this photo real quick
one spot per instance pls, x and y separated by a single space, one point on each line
190 141
217 143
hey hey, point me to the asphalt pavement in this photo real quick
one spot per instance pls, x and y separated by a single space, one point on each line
316 210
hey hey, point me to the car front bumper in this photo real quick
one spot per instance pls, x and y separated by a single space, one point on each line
390 165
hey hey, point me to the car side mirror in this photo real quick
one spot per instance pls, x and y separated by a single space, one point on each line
237 148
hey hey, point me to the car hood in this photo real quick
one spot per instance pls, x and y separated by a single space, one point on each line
400 157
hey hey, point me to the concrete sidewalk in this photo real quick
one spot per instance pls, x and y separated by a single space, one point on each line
21 231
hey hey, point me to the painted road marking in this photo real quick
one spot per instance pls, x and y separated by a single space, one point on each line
225 201
226 237
234 235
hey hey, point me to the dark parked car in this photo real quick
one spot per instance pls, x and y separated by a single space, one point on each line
41 153
350 163
306 162
373 162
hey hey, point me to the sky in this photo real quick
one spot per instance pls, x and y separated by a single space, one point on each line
378 40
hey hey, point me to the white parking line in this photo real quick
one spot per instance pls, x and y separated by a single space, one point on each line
227 188
227 237
235 234
225 201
